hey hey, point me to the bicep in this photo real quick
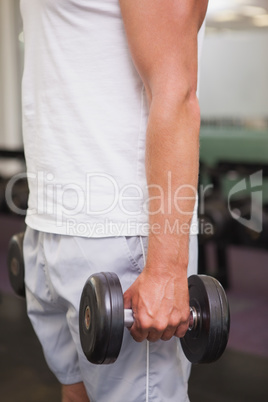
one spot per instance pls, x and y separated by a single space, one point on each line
162 36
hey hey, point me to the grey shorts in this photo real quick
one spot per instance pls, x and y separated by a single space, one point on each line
56 268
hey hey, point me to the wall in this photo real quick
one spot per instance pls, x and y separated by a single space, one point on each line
234 75
10 75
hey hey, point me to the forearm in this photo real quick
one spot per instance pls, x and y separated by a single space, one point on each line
162 39
172 160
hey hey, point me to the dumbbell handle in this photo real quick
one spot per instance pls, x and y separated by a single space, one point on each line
129 319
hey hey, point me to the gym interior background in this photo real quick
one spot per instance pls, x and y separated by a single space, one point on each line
233 200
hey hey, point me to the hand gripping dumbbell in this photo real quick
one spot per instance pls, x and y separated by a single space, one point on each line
102 319
102 316
15 264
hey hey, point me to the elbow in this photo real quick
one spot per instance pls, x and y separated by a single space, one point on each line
179 95
191 102
187 97
176 101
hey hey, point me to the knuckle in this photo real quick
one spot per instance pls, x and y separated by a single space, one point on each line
173 322
167 335
160 326
136 335
143 322
179 317
137 339
184 318
181 331
152 338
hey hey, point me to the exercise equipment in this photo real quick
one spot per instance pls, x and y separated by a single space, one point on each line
15 264
17 196
215 221
3 206
102 319
14 189
253 230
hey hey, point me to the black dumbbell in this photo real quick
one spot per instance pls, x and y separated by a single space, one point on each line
102 319
15 264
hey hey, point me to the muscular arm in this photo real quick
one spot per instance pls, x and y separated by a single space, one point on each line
162 37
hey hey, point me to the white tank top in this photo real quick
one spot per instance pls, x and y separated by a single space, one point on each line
84 120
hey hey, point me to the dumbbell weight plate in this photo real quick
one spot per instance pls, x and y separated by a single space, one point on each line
15 264
101 318
207 342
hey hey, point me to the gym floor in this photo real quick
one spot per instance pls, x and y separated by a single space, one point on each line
241 375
